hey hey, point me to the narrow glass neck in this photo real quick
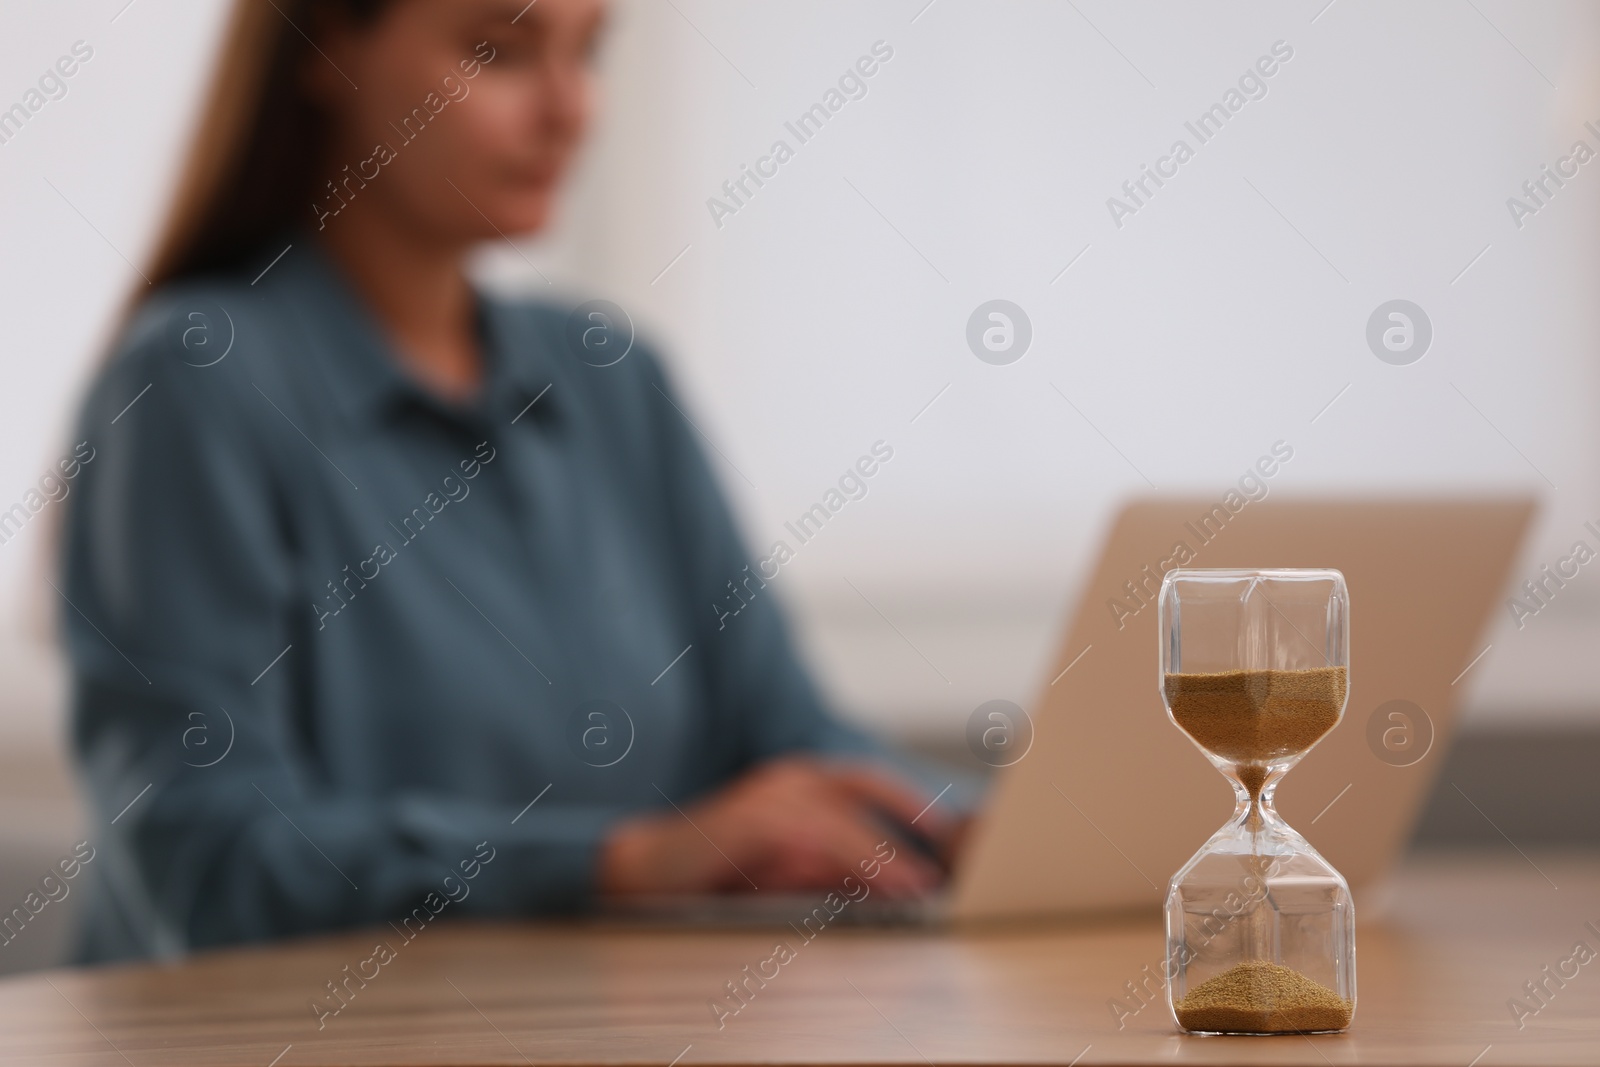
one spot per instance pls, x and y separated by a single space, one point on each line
1253 811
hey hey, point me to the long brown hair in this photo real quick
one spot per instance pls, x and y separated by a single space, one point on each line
249 171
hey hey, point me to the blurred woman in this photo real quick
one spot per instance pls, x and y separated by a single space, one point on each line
382 586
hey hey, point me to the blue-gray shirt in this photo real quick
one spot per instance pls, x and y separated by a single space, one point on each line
333 637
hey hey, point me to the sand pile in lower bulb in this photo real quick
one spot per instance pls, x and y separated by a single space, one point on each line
1258 997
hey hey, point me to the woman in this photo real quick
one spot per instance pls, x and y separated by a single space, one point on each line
376 580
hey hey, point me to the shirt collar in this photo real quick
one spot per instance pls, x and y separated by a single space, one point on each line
347 344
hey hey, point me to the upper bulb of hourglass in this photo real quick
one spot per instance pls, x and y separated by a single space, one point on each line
1254 665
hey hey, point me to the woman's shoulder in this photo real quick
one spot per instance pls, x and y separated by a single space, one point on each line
183 350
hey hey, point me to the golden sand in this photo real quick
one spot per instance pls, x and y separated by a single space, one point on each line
1250 717
1257 997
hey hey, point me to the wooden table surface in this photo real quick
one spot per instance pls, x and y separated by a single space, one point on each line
1441 951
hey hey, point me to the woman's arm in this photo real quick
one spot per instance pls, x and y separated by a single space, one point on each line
759 688
815 795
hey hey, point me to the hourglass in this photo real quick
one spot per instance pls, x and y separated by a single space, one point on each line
1260 928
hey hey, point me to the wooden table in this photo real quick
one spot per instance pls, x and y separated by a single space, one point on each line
1457 938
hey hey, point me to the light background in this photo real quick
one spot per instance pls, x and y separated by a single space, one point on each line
827 313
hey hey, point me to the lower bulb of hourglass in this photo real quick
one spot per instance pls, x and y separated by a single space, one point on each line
1260 929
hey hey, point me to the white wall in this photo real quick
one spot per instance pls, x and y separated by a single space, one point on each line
1223 316
816 321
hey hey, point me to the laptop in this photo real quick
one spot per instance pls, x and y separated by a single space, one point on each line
1111 798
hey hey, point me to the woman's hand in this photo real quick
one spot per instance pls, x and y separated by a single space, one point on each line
792 824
